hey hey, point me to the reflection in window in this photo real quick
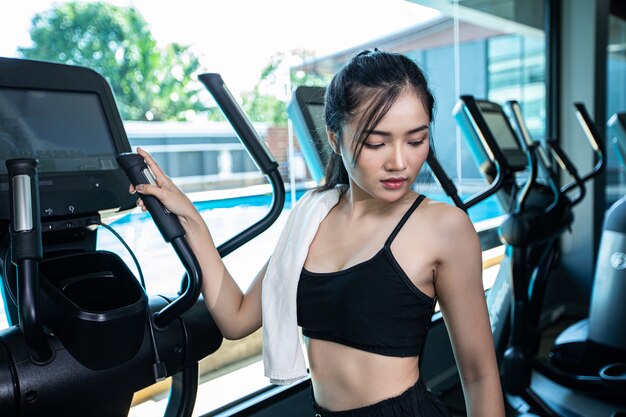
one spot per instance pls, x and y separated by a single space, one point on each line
516 70
616 102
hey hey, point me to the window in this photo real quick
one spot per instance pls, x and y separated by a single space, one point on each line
616 102
464 50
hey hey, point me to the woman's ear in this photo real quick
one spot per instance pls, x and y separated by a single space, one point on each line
332 140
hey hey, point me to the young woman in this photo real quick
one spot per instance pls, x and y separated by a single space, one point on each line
372 264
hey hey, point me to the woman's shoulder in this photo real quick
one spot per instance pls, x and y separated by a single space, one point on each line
448 221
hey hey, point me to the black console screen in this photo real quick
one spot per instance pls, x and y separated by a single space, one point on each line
316 111
501 131
64 131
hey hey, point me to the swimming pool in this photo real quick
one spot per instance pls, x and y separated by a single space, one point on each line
225 217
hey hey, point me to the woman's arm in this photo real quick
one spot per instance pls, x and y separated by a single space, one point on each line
236 314
461 295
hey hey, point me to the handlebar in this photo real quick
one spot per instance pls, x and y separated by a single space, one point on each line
566 164
595 140
529 145
258 152
172 231
26 252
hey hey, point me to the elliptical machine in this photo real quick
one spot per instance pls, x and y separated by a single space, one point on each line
532 232
84 335
593 351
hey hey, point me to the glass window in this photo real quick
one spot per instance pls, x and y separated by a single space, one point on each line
616 103
153 74
271 48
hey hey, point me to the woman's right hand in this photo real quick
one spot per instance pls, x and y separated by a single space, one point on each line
166 191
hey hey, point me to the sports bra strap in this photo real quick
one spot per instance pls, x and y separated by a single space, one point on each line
404 218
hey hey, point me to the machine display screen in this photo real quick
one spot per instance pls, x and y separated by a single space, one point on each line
501 131
316 111
64 131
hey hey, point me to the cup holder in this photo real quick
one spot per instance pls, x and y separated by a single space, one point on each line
614 372
95 305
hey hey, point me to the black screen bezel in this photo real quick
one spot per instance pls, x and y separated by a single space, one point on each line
86 192
515 157
51 96
306 96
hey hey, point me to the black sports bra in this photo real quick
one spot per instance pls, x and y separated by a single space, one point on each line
372 306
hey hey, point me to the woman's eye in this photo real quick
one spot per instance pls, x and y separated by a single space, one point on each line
373 145
416 142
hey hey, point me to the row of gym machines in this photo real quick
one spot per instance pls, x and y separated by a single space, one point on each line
584 372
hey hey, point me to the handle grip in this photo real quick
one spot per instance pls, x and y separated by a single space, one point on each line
173 232
255 146
25 225
137 171
27 251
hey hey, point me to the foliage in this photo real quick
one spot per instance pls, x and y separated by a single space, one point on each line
264 102
149 83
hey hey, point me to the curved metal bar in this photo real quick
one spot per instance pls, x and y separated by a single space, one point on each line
185 383
192 288
528 144
278 201
489 191
183 392
27 251
567 165
595 140
28 304
445 181
594 137
258 152
237 118
494 154
522 195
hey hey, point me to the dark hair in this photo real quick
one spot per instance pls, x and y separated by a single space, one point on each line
375 79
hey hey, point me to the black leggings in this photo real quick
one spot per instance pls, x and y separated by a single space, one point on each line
417 401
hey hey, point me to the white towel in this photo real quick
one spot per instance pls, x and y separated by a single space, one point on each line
282 354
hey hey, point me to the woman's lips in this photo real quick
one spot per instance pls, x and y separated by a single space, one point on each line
393 183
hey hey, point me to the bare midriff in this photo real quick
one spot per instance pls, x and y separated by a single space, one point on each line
345 378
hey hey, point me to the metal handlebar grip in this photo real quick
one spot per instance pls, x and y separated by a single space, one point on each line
137 171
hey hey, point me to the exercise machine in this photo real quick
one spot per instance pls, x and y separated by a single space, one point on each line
592 352
539 213
84 335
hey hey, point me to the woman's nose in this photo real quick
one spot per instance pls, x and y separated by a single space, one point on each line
396 160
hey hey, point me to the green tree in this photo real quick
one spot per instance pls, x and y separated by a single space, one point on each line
263 103
149 83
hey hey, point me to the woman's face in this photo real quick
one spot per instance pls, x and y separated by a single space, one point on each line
393 152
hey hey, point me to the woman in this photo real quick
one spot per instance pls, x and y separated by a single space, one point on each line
375 262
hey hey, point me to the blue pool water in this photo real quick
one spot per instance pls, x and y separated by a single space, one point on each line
225 218
486 209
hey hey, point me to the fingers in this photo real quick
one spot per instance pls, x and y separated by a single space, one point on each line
141 205
160 177
164 190
153 190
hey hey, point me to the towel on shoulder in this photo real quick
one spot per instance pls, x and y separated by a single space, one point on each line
283 357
